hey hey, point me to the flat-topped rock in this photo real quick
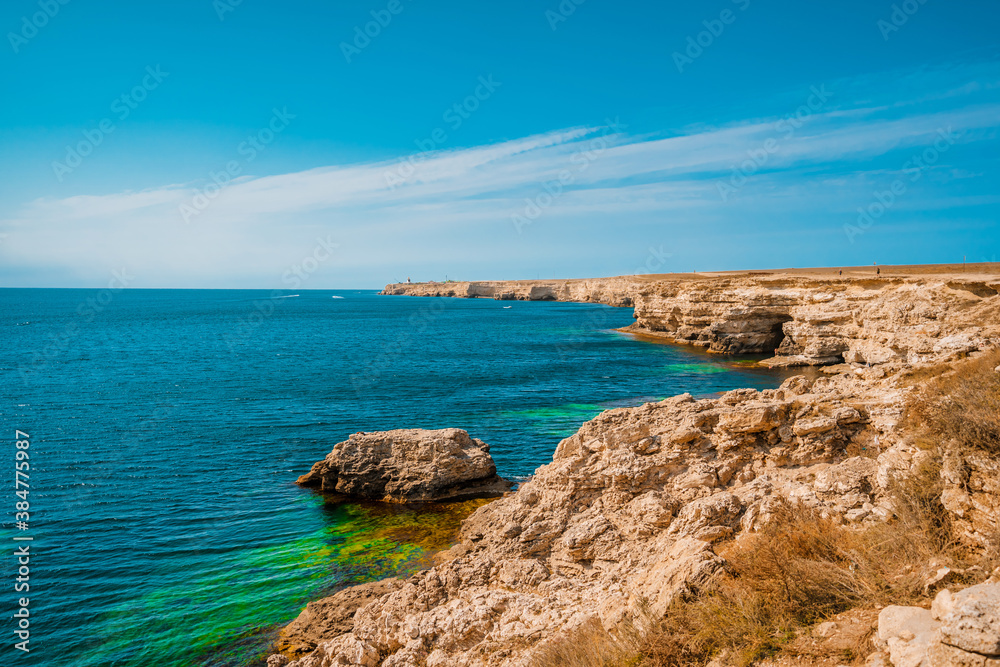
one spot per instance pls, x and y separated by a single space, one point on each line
409 465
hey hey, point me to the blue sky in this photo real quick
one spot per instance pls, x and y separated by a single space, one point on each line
588 139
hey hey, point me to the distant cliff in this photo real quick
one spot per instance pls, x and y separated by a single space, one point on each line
610 291
646 508
802 321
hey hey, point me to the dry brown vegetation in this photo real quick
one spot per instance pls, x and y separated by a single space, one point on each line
803 568
962 408
590 645
800 569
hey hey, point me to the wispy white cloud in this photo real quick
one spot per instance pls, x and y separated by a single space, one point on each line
258 224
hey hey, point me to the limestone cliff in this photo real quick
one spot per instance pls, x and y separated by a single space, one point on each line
611 291
801 320
624 518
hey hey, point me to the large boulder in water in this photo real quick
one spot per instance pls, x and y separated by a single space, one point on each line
409 465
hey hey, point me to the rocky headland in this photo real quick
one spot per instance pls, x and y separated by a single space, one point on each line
802 319
641 508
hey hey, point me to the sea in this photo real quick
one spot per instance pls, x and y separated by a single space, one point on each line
159 434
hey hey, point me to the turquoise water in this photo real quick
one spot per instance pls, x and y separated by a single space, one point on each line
168 427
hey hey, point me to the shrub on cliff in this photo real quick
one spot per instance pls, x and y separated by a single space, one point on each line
590 645
794 572
963 406
801 569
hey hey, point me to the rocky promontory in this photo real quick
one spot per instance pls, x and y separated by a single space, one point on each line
409 465
803 319
623 521
645 509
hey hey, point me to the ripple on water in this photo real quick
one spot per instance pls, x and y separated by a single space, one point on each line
167 435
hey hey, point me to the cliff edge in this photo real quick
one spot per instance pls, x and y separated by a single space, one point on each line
801 319
647 512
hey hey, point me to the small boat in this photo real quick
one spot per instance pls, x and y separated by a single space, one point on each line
506 307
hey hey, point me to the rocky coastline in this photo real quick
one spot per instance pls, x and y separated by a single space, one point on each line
631 515
803 320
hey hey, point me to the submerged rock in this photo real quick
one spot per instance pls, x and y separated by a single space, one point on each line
409 465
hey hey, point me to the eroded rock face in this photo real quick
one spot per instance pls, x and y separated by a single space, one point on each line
971 493
330 617
611 291
623 520
809 322
970 619
409 465
802 321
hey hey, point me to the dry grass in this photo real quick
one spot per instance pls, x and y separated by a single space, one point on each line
590 645
798 571
803 568
962 407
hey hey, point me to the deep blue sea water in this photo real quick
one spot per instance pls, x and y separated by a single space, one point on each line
167 428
